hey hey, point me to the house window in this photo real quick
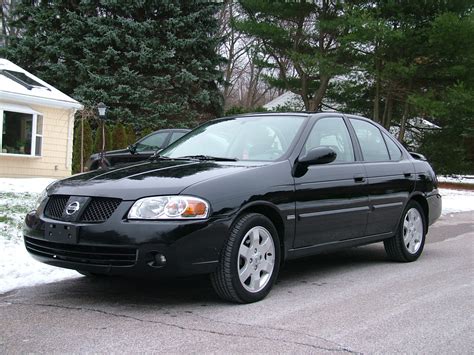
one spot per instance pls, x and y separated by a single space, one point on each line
22 78
21 133
39 135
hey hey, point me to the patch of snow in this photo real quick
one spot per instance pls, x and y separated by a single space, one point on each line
460 179
457 200
287 99
19 185
19 269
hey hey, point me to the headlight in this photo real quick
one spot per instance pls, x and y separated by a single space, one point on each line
43 194
169 207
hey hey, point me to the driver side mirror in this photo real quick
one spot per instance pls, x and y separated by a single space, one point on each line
319 155
132 148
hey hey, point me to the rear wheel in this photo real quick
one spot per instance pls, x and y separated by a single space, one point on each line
407 245
249 262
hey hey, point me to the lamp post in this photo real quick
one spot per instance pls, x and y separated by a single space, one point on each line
102 109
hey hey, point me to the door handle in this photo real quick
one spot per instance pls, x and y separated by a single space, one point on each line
359 178
406 174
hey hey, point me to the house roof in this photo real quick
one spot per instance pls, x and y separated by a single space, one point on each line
18 85
288 98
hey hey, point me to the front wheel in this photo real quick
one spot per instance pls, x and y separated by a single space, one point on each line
249 262
407 245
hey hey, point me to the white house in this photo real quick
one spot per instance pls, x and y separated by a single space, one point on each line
36 125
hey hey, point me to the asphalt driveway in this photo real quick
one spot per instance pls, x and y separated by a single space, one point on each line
351 301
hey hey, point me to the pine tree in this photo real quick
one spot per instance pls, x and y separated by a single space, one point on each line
131 135
97 141
109 138
148 61
119 136
144 132
302 44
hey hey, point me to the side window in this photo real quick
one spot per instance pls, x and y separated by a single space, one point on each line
394 151
371 141
176 135
153 142
331 132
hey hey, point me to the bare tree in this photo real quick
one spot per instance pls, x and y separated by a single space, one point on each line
244 83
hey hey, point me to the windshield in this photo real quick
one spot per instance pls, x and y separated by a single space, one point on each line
264 138
152 142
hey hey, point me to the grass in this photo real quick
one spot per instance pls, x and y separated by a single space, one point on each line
13 208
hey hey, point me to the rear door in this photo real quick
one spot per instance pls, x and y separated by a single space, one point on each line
331 199
390 176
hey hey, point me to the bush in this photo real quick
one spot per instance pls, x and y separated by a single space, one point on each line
131 135
238 110
87 145
119 137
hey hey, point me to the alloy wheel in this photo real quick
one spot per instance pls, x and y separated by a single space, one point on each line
256 259
412 230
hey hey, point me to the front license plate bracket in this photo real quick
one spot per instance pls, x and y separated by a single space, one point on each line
61 233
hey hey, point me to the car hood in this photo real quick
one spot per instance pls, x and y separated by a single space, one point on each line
130 182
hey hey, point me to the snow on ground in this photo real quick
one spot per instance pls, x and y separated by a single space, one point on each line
18 196
460 179
457 201
17 268
21 185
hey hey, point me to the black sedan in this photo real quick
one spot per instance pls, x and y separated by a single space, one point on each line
141 150
237 197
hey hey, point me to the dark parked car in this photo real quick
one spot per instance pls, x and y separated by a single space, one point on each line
141 150
237 197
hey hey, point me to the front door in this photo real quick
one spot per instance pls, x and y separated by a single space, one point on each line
331 199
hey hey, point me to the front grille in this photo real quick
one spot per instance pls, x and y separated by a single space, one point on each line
83 254
55 207
100 209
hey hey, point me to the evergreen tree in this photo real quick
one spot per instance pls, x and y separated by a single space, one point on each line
145 131
119 136
390 40
109 138
149 61
97 140
303 43
131 135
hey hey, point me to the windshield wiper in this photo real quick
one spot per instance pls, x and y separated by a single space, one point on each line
158 157
208 157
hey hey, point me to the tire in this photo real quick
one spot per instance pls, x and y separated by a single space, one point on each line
249 262
407 245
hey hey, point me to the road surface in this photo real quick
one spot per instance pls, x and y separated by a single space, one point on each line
353 301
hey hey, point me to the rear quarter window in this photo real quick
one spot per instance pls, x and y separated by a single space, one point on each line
393 150
371 141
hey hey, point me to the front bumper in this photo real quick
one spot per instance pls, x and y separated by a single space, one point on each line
122 247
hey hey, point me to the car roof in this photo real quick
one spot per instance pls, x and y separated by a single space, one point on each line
314 114
171 130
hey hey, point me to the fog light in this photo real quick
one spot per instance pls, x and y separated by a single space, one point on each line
160 259
156 259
